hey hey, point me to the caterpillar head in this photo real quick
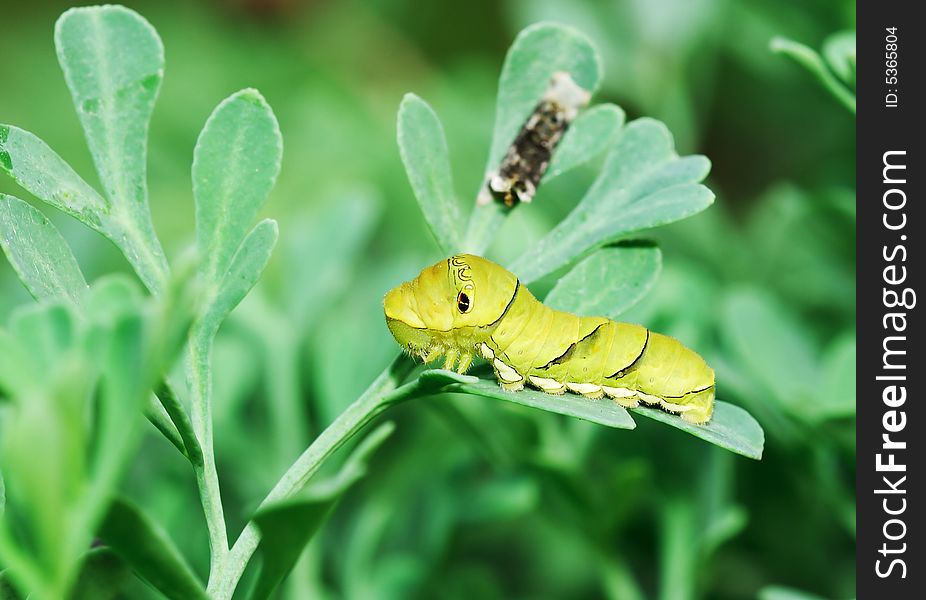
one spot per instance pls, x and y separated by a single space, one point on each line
452 305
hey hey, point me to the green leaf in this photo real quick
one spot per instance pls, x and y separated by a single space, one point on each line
643 184
43 455
235 163
45 175
113 62
593 132
243 272
102 576
785 362
604 411
809 59
608 282
40 256
286 527
112 297
423 148
149 551
16 376
7 589
840 53
778 592
46 333
837 393
730 427
181 421
125 384
537 53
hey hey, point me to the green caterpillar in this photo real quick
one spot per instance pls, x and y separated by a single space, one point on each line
466 305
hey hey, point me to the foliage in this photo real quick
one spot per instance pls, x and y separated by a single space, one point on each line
468 489
835 69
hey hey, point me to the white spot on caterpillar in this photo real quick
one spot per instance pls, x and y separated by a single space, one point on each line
676 408
618 392
486 352
505 372
583 388
649 399
547 385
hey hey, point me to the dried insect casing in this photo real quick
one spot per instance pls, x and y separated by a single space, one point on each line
529 155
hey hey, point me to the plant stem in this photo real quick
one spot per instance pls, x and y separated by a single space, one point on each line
384 392
811 60
207 478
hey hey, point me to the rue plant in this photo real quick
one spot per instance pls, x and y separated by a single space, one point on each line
81 366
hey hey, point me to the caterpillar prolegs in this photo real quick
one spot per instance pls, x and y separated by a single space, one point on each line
467 305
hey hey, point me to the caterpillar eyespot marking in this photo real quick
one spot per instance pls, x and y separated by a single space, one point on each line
529 343
529 155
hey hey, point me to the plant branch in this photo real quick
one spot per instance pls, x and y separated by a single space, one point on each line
810 60
207 479
384 392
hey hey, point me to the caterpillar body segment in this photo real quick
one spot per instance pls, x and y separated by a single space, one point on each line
466 306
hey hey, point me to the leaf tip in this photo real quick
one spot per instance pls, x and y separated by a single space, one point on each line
592 85
409 98
779 44
251 95
272 225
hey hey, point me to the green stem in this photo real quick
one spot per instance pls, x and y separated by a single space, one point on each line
207 478
384 392
810 60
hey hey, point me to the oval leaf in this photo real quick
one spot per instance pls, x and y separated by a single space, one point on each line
40 256
102 576
643 184
608 282
113 62
593 132
149 550
235 163
604 412
749 315
244 271
423 148
286 527
730 427
45 175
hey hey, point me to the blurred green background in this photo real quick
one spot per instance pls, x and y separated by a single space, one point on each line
471 499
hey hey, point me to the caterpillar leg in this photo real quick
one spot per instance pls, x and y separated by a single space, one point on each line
432 355
465 361
451 359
